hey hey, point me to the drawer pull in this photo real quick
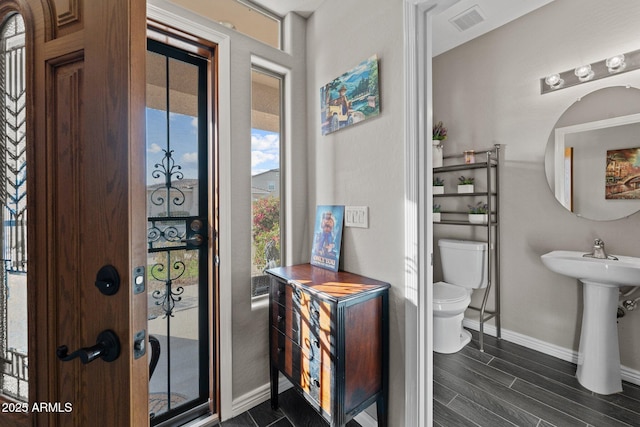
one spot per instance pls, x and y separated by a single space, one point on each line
316 343
280 318
315 382
315 313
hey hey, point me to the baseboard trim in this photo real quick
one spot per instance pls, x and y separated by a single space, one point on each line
263 393
256 396
366 420
628 374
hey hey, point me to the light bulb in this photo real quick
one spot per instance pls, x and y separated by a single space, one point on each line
584 73
615 63
554 81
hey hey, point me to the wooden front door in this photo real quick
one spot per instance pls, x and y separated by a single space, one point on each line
85 68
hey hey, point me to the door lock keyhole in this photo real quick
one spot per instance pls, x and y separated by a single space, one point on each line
108 280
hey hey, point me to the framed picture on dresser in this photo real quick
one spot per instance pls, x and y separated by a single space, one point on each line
327 236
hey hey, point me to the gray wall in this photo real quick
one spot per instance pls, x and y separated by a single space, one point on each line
363 165
250 327
487 91
249 319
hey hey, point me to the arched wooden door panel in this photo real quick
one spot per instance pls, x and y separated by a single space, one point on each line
85 70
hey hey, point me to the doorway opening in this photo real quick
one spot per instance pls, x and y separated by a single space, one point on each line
181 278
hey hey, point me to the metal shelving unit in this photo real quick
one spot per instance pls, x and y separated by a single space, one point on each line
491 164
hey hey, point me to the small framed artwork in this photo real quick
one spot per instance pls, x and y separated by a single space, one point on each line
351 98
327 237
623 174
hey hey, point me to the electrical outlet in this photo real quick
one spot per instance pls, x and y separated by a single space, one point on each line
356 216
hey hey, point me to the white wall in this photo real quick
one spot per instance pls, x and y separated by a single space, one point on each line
363 165
487 91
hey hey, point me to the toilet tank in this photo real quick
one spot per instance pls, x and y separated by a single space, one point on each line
464 263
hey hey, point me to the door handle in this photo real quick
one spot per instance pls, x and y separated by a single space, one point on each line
107 347
195 240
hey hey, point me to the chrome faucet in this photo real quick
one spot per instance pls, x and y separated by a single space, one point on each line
598 251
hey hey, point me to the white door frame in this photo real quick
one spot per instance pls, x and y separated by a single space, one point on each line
169 14
418 209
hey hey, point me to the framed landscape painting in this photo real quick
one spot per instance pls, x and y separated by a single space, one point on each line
351 98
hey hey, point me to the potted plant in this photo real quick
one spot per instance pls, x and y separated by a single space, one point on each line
465 184
478 213
439 134
438 185
436 213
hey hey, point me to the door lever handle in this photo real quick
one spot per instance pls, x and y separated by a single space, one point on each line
196 240
107 347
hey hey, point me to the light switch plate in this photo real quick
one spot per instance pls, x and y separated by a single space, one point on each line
356 216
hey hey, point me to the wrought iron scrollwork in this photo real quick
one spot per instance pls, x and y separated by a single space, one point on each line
171 172
168 297
167 234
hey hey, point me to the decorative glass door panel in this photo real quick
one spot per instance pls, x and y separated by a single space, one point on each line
177 211
13 194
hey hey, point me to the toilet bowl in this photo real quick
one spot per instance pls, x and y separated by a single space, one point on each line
449 304
464 269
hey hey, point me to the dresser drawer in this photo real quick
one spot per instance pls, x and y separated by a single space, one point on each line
286 350
309 368
286 321
279 291
301 317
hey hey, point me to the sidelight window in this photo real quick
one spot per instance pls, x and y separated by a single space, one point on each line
13 194
266 194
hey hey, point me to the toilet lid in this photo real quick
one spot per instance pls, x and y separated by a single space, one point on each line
446 293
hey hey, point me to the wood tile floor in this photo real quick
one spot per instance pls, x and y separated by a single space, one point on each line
511 385
293 412
507 385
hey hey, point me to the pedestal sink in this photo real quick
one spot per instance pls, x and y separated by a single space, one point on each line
599 354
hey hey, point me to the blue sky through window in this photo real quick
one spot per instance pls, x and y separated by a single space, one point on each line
183 134
265 151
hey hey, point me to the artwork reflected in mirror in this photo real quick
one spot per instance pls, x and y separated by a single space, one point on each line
623 174
590 162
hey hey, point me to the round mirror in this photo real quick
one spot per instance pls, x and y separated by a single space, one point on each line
592 160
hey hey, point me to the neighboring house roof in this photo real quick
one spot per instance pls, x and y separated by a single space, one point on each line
178 183
265 172
256 190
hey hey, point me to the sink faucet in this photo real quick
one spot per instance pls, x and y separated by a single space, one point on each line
598 251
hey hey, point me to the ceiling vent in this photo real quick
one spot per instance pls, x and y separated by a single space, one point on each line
467 19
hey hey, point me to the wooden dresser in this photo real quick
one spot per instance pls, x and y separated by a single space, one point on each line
329 336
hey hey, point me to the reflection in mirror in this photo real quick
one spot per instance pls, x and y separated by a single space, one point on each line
592 161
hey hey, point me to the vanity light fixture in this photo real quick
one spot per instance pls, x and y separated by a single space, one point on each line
615 64
584 73
554 81
607 67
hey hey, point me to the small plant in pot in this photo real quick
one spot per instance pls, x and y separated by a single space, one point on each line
465 184
478 213
436 213
438 185
439 134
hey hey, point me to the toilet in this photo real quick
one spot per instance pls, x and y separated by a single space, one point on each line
464 268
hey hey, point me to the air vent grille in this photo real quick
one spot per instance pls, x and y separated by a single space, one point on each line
467 19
